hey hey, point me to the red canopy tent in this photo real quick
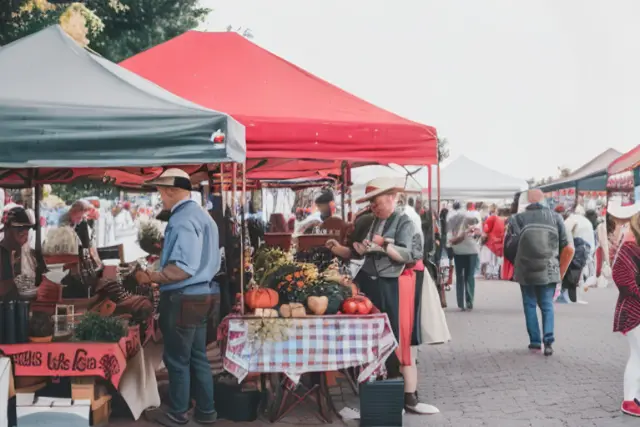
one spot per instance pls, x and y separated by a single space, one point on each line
288 112
627 161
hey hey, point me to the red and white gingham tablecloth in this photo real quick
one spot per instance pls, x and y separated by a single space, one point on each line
314 344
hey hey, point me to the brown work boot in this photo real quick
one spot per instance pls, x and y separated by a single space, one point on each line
138 306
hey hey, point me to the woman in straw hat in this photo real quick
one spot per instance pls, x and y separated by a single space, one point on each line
625 269
16 225
391 243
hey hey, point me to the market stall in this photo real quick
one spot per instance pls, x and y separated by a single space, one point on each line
301 128
623 182
586 186
87 117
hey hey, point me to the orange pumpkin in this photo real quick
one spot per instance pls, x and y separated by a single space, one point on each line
261 298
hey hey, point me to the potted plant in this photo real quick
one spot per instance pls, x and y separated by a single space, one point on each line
40 327
95 328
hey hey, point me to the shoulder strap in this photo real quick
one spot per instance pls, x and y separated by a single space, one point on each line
623 232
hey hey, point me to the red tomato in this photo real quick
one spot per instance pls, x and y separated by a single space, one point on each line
368 304
362 308
349 306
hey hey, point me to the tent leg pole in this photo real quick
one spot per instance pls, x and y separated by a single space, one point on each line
438 184
343 190
243 200
429 188
40 265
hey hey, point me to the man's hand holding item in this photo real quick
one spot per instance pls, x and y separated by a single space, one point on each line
143 277
378 240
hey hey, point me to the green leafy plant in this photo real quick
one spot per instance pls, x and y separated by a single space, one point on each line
290 283
95 328
267 261
40 325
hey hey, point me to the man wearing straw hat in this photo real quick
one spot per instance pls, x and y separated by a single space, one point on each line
392 242
189 296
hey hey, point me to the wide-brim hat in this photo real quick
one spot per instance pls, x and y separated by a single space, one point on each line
17 217
620 211
173 177
379 186
325 197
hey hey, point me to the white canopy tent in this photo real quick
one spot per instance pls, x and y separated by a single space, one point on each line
461 179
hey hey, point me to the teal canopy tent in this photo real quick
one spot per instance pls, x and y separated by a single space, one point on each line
62 106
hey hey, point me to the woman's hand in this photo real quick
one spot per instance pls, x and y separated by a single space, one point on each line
360 247
331 243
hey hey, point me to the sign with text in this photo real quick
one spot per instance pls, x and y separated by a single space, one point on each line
77 359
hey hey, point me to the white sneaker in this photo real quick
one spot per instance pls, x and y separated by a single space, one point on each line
423 409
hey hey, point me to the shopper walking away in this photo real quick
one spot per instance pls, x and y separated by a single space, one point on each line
579 227
466 245
189 297
536 243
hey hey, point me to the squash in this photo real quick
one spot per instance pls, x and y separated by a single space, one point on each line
335 301
285 310
261 298
295 309
318 305
298 310
266 312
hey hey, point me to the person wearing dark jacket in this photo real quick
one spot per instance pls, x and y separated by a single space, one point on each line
536 243
571 279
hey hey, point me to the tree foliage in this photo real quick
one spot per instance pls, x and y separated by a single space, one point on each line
83 188
443 149
244 32
116 29
563 172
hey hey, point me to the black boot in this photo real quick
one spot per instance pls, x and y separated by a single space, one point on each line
548 350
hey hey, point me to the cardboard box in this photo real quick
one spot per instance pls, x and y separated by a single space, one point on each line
101 411
32 411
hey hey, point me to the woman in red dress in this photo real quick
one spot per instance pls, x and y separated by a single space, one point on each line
494 231
626 320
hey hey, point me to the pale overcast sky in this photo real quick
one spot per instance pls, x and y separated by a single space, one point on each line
521 86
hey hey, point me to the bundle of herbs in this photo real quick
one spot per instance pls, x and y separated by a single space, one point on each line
95 328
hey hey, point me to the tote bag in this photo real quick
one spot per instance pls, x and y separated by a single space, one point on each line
433 320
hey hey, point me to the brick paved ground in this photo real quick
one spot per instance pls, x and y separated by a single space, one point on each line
486 376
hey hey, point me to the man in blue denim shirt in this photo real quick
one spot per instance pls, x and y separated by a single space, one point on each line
188 298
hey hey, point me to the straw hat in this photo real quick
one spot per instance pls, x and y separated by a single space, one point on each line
616 209
635 226
176 178
379 186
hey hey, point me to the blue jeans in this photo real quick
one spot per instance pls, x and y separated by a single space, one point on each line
541 296
465 279
183 322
